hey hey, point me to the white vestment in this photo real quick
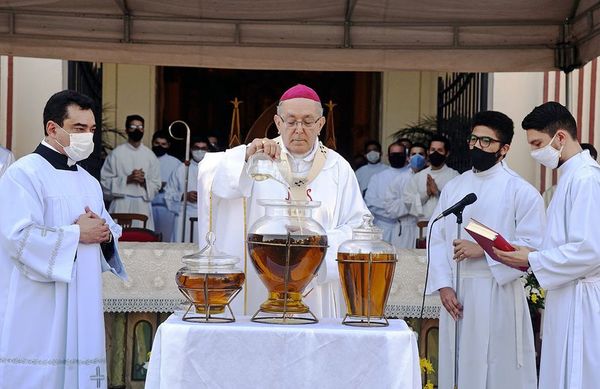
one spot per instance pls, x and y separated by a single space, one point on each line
51 315
375 200
404 232
164 219
131 198
568 267
496 349
173 196
6 158
342 208
415 195
364 174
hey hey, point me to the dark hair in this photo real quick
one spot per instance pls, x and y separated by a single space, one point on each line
442 139
161 134
57 106
549 118
405 140
591 148
501 124
131 118
202 139
396 143
373 142
418 144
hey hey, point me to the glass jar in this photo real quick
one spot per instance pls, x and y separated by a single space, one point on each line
366 264
287 247
210 281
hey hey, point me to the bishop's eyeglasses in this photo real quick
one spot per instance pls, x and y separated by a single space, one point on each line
484 141
307 124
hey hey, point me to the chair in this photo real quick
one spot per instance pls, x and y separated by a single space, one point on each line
125 220
193 221
421 242
134 234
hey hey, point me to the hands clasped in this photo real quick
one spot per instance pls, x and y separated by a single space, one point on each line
137 176
92 228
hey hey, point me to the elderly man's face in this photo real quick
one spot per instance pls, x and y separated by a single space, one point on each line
299 124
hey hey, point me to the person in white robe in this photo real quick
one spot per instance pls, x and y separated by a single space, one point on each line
6 158
374 165
321 174
422 192
174 192
130 176
567 265
164 219
56 238
378 188
496 347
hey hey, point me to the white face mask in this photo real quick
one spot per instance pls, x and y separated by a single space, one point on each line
373 156
198 155
547 155
80 146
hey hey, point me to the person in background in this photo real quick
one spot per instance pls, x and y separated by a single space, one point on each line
164 219
374 165
417 157
130 176
6 158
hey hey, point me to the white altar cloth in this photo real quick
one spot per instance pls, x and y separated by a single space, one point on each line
252 355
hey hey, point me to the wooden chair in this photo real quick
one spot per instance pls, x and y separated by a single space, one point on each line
126 219
422 239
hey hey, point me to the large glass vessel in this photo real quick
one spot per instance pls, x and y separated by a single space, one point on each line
210 281
366 264
287 247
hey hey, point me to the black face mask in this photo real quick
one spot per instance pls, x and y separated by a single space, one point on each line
397 160
135 135
436 159
159 150
482 160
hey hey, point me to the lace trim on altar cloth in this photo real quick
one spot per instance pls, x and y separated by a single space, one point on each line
51 362
406 311
142 305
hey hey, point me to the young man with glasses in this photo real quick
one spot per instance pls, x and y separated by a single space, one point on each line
312 172
496 348
130 176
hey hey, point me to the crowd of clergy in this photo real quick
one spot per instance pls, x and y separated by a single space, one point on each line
57 234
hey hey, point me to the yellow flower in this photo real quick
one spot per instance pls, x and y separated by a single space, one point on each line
534 298
426 366
429 385
542 292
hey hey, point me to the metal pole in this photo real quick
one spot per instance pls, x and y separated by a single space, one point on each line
457 288
187 171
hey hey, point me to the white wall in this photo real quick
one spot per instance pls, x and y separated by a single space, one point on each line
516 94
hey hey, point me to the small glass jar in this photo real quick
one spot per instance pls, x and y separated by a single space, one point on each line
210 281
366 264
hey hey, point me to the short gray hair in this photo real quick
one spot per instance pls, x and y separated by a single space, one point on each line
319 108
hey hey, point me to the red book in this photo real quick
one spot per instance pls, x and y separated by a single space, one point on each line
488 238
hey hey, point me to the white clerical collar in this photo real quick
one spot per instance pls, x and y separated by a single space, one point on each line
70 162
573 162
497 167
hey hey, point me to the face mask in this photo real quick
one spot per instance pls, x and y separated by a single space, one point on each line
482 160
436 159
198 155
397 160
417 162
135 135
80 146
159 150
373 156
547 155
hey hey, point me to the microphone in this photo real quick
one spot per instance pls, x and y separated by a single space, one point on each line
458 207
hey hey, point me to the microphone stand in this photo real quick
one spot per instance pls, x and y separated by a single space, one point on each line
186 162
459 220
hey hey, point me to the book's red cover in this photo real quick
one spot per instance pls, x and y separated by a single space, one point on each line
500 243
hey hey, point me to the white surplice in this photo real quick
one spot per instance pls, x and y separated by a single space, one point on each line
342 208
364 174
404 232
568 267
496 349
415 194
51 316
173 196
6 158
164 219
131 198
375 200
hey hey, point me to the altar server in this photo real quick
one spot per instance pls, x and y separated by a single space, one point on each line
56 238
316 173
568 264
496 349
164 219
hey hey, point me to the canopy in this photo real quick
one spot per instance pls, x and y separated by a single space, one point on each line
353 35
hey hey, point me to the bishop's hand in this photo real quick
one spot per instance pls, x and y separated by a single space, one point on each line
264 145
